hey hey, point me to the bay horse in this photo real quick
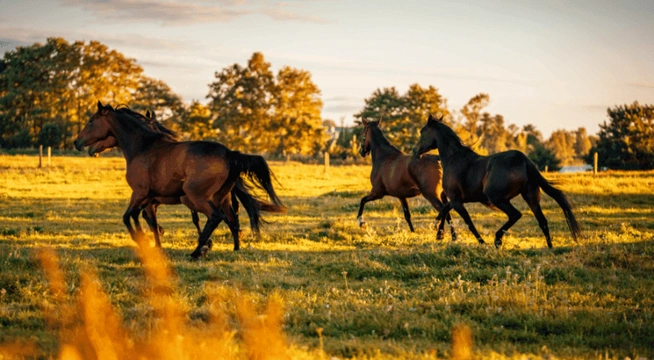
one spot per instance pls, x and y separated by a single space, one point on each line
399 175
491 180
200 173
150 209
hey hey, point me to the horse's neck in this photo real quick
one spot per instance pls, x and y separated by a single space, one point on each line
450 150
380 148
130 142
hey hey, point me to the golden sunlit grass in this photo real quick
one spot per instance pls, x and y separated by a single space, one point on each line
314 280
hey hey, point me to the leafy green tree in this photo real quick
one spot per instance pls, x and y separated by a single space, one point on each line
242 104
402 116
60 82
469 128
51 135
296 126
534 137
256 111
582 143
627 140
197 124
562 144
542 157
155 95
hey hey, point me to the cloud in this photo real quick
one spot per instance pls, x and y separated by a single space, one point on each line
342 104
642 85
178 12
19 36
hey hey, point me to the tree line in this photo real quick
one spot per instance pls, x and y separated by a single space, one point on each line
47 92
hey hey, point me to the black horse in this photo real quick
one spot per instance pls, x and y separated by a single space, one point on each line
491 180
399 175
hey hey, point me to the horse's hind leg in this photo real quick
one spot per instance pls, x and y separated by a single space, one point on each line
532 197
232 221
447 217
370 197
407 213
458 206
150 216
513 214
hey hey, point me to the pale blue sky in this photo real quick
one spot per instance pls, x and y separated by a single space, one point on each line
556 64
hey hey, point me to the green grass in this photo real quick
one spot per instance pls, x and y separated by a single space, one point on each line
380 292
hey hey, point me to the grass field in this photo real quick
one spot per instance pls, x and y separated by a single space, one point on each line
383 292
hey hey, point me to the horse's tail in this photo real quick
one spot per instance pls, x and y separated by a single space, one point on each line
257 171
556 194
253 206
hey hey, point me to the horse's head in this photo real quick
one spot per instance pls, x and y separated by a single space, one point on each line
364 146
427 139
98 128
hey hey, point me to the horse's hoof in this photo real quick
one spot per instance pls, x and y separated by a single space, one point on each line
204 251
453 237
439 235
362 224
194 256
161 231
481 241
498 244
209 244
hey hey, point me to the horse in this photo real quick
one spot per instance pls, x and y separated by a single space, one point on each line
491 180
399 175
200 173
150 209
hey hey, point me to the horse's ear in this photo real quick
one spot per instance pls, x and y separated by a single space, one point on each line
431 118
441 118
357 122
147 114
364 122
100 107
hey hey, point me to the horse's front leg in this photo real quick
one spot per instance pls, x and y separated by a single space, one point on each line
444 214
133 209
373 195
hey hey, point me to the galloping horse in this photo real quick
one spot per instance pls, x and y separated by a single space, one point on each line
491 180
200 173
399 175
150 209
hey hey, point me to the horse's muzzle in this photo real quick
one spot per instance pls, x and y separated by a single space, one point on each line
79 144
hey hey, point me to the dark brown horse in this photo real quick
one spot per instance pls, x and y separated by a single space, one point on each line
491 180
401 176
200 173
150 209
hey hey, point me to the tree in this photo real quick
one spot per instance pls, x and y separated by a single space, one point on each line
562 144
197 125
155 95
471 113
242 104
256 111
51 135
627 141
402 116
296 126
582 143
542 157
60 82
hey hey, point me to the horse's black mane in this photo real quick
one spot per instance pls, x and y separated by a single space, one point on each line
456 140
379 135
139 122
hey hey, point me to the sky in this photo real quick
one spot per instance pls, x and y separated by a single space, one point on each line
554 64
